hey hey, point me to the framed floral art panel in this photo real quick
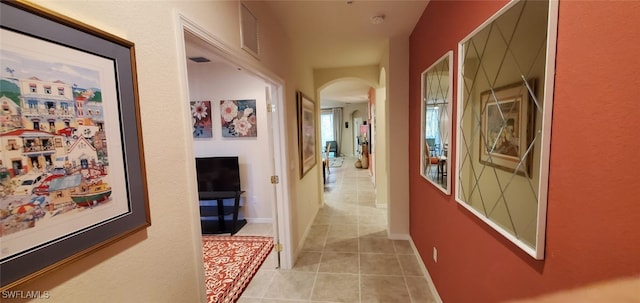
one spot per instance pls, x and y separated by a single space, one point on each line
238 118
201 115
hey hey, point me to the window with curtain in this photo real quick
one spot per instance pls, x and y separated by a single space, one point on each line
432 124
326 128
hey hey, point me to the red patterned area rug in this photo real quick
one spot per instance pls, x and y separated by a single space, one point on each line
230 262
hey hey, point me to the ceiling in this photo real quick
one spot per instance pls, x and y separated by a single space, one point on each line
337 34
344 92
334 34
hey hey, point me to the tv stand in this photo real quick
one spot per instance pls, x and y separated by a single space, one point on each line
213 212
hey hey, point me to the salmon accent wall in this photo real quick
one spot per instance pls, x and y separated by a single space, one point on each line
593 217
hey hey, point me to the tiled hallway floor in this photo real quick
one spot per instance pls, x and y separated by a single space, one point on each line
347 256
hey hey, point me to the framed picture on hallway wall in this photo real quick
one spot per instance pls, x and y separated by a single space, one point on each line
306 133
72 172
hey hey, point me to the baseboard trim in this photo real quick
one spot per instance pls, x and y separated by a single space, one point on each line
432 287
259 220
399 237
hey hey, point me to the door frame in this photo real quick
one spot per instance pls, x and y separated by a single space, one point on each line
357 121
281 211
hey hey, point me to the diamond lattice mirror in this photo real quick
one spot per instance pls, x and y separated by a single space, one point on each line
437 82
505 91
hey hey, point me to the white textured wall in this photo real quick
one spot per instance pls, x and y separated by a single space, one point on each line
398 136
216 82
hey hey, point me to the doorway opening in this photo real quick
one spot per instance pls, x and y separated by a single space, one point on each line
265 200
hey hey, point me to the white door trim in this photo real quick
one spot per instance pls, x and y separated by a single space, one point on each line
238 58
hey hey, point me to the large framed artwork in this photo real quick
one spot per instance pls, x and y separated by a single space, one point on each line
306 133
72 175
507 128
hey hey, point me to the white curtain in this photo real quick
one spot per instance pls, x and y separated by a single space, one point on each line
432 123
326 128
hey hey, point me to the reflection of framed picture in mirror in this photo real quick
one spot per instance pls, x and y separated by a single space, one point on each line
507 128
503 129
306 133
435 162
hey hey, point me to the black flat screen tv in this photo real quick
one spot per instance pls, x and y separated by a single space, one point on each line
217 174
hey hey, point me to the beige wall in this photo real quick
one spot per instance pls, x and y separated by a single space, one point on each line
397 145
325 76
307 195
164 262
380 141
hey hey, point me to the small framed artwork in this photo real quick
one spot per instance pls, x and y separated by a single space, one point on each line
507 128
201 115
72 173
238 118
306 133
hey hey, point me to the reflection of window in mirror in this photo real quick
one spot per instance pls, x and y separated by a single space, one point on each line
504 110
436 127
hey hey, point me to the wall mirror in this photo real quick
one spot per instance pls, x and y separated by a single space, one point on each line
437 82
505 91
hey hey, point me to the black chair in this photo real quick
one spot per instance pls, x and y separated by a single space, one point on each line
332 148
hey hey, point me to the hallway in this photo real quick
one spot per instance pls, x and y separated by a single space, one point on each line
346 256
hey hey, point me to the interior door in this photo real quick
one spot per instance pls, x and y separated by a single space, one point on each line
274 158
271 95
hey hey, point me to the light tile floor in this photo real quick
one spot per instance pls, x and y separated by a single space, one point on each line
347 256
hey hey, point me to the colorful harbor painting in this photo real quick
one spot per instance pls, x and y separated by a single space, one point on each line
57 123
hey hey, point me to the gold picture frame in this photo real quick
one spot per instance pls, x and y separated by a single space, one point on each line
507 124
76 120
306 133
